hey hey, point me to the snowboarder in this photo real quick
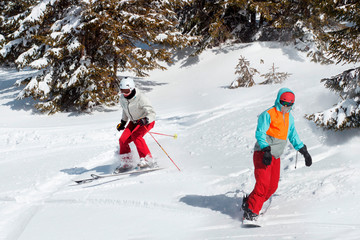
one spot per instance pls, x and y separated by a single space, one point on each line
140 114
275 126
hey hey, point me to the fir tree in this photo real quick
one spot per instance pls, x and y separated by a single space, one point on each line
218 21
345 114
333 27
344 38
79 46
245 74
12 14
328 30
274 77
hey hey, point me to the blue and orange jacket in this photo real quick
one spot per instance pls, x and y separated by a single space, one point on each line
274 128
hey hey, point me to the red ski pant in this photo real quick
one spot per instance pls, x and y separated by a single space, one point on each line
135 133
267 179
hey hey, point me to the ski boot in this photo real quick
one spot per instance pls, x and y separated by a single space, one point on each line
146 162
123 168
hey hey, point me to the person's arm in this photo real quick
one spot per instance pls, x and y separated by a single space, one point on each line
293 135
297 143
261 129
148 109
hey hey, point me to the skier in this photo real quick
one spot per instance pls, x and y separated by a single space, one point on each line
141 116
275 126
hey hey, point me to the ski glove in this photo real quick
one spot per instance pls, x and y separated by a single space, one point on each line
121 126
305 153
267 155
143 121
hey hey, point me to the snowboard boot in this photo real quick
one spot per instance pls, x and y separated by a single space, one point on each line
248 214
245 204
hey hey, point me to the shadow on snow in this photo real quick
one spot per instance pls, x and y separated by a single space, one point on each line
223 203
80 170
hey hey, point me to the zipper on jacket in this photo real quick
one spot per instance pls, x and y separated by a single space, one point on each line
284 119
132 119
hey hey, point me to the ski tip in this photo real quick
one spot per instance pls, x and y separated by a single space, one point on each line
94 176
83 181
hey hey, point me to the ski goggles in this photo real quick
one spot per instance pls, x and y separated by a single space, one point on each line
125 91
286 104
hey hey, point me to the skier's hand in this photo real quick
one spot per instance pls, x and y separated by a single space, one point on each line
143 121
267 155
305 153
121 126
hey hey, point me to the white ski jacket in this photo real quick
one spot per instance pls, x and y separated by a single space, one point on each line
137 107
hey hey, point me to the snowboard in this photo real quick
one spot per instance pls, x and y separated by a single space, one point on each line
250 224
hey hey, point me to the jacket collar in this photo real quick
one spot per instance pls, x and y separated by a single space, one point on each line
132 94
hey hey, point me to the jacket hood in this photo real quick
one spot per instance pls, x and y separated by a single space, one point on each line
277 101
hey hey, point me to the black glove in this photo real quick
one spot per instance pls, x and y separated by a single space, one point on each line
121 126
305 153
142 122
267 155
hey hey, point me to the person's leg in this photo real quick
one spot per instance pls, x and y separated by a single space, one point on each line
274 179
137 137
126 139
262 175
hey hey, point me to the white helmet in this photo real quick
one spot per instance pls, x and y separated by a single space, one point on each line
127 83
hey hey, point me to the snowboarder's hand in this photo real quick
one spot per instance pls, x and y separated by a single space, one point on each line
121 126
305 153
267 155
142 122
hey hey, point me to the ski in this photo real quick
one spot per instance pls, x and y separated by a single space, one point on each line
100 176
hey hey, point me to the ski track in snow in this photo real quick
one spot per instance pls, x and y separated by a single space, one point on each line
25 203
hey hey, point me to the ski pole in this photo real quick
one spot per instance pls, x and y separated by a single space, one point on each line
296 158
167 135
163 149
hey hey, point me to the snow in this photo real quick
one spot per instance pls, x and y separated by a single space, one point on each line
23 57
73 22
40 155
38 11
75 44
7 48
56 51
39 63
69 23
161 37
81 70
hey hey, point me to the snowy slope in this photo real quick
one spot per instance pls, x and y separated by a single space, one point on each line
41 155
